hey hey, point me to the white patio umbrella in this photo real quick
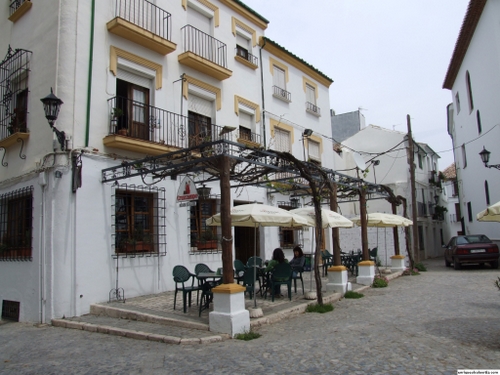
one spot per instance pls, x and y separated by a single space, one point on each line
260 215
329 219
492 213
383 220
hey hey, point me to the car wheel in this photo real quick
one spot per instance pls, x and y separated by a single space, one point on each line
446 263
456 265
494 264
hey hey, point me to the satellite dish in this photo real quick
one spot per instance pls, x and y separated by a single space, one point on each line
359 161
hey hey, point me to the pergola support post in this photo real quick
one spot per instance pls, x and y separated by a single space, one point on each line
229 315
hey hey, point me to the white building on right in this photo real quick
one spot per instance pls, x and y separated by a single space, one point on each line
473 77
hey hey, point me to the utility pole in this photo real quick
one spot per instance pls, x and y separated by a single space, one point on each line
411 161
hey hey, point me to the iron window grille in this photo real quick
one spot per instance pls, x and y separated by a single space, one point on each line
14 72
138 221
289 237
280 93
313 108
16 225
244 54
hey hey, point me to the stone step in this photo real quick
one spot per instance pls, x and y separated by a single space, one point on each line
140 330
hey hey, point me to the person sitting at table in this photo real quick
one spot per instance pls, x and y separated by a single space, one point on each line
298 261
278 257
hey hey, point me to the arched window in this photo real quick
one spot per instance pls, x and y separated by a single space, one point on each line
469 91
487 193
479 126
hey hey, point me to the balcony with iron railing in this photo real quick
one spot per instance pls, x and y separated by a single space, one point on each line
142 22
282 94
313 109
243 56
421 209
245 136
138 127
18 8
204 53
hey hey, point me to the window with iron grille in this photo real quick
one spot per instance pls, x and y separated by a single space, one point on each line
204 239
138 221
16 224
14 71
289 237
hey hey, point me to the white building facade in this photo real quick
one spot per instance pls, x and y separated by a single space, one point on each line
384 153
137 79
473 77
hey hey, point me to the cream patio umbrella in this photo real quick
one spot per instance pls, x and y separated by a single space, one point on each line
260 215
492 213
329 219
383 220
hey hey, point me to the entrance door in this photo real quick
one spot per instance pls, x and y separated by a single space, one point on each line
133 100
244 243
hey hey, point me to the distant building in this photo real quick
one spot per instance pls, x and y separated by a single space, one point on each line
345 125
453 225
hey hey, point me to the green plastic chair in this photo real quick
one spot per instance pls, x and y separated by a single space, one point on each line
281 275
181 277
207 296
373 254
239 270
252 261
249 279
298 276
327 259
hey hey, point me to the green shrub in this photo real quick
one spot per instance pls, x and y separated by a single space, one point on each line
351 294
420 267
320 308
380 282
247 336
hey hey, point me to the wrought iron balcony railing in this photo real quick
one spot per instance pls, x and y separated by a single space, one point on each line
312 108
282 94
204 45
246 135
145 15
137 120
244 54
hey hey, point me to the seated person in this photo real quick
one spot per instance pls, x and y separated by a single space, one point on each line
298 261
278 257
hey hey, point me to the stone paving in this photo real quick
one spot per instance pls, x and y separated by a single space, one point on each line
434 323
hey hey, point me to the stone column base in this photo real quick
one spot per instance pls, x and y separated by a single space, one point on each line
398 263
366 272
229 315
337 279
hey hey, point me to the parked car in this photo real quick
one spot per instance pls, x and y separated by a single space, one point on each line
473 248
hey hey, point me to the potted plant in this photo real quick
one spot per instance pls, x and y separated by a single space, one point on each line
207 240
116 113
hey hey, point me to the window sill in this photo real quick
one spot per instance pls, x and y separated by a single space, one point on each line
283 98
317 113
244 61
13 138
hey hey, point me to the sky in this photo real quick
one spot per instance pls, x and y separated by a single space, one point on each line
386 57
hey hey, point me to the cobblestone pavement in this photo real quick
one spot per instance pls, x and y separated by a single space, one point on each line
435 323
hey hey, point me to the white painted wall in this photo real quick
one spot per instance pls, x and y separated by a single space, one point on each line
481 60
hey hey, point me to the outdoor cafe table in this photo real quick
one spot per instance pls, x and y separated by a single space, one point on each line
206 287
350 261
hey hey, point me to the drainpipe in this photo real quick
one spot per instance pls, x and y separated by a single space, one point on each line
89 85
262 90
42 181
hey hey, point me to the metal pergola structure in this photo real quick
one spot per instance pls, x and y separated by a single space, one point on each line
248 166
236 164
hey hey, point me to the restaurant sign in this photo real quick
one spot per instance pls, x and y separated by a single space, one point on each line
187 190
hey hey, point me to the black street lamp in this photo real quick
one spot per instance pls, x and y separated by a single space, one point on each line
51 106
485 157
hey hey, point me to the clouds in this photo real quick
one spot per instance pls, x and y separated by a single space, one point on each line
387 56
